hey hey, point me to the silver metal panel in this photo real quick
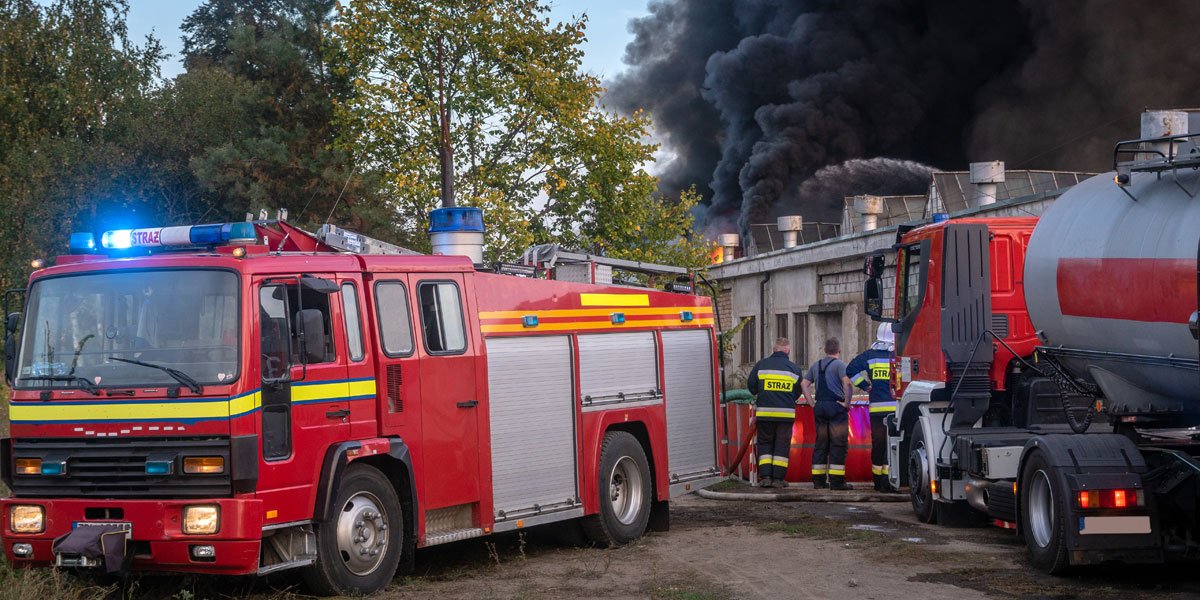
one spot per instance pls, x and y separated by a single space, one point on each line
618 363
532 411
1002 462
690 402
687 487
561 515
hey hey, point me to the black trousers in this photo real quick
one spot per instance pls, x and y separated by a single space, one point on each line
879 449
833 436
774 445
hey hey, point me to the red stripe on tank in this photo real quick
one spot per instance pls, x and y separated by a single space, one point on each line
1154 290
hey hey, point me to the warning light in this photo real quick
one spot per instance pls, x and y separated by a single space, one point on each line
194 235
1119 498
1083 500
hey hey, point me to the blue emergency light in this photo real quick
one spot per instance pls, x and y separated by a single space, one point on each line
82 243
617 318
529 320
686 315
188 235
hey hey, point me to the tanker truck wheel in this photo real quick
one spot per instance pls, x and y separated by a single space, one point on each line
918 475
625 492
358 550
1043 516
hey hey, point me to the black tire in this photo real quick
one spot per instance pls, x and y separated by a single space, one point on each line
625 492
918 485
368 517
1043 515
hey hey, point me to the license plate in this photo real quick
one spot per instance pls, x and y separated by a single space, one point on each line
1114 525
126 526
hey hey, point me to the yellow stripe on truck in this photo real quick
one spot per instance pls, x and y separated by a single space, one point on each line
614 299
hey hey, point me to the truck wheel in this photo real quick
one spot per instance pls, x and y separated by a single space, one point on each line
1043 517
625 486
358 550
918 475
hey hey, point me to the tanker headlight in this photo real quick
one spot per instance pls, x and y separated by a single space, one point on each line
26 518
201 519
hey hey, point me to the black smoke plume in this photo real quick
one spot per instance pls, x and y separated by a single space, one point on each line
753 97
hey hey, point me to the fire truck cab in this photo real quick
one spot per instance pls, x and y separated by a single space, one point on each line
264 400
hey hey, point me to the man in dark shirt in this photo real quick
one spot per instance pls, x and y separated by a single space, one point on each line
831 415
773 380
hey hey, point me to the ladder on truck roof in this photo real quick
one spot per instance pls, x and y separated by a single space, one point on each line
286 237
581 267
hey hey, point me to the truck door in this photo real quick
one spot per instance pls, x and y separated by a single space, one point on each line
449 401
363 385
304 393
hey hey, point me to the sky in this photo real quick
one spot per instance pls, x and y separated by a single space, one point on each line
607 30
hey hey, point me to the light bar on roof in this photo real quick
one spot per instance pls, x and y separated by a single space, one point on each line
188 235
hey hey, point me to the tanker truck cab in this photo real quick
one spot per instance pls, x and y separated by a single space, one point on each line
980 433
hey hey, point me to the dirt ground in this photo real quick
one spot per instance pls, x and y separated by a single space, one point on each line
719 549
715 550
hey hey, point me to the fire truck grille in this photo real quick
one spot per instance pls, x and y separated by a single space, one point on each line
116 468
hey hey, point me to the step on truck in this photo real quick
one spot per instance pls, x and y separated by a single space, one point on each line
244 398
1047 367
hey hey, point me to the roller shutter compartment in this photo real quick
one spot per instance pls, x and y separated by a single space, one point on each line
532 412
691 424
618 370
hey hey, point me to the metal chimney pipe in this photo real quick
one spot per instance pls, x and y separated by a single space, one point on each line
869 208
729 243
790 227
986 176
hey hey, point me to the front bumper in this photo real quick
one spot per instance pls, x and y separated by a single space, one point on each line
158 540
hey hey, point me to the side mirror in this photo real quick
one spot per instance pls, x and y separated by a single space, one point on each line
10 324
873 298
873 265
10 346
310 329
318 284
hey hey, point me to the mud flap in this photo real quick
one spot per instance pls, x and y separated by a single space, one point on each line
660 516
93 545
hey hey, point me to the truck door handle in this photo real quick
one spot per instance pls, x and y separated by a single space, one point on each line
468 404
338 414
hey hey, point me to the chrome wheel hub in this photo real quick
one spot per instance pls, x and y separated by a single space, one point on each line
362 533
625 490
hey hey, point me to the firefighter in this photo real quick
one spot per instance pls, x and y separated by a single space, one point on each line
831 416
773 381
872 370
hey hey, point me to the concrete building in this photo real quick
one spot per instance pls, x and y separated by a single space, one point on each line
811 291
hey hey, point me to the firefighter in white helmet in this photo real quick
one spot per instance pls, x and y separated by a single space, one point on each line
873 370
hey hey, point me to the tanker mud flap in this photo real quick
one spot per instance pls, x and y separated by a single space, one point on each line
1117 530
95 545
394 451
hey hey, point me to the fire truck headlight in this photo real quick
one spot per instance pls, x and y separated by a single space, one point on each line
29 466
26 518
204 464
201 519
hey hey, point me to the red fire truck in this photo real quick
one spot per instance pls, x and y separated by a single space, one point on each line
245 398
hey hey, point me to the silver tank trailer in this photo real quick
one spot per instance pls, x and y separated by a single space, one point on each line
1113 280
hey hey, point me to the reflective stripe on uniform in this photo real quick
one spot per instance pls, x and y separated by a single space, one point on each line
820 469
883 406
771 459
837 469
881 368
775 411
859 378
879 470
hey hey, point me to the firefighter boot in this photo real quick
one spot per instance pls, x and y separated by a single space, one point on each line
819 482
838 482
765 482
881 484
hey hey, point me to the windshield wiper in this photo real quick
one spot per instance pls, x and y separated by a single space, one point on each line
179 376
84 383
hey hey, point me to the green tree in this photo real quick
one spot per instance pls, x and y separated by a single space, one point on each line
263 62
68 77
532 147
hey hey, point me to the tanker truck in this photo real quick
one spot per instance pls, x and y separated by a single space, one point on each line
1047 367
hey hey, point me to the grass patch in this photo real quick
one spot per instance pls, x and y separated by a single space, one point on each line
688 590
726 485
49 584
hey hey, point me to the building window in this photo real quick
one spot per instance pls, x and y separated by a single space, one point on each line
800 338
749 341
781 329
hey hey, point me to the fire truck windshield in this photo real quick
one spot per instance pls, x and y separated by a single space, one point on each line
131 329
